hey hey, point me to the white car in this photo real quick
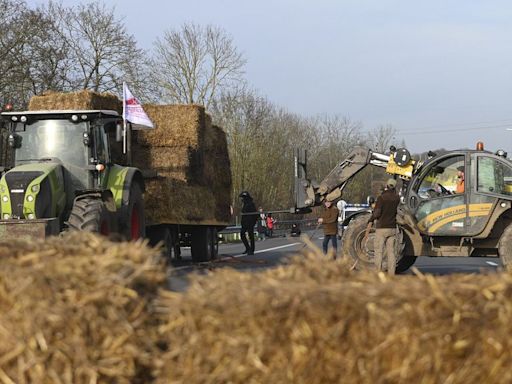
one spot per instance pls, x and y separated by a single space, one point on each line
347 210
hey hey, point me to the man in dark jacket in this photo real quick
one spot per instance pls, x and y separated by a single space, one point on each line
386 231
329 220
248 222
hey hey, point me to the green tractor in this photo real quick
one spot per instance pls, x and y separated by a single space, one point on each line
58 174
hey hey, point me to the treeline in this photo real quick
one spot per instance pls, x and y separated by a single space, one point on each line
54 47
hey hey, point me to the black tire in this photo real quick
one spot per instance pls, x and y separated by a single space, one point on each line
135 225
91 215
168 236
405 261
354 245
204 244
362 252
505 247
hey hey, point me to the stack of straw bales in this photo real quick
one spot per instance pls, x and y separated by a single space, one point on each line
316 322
189 154
77 310
191 158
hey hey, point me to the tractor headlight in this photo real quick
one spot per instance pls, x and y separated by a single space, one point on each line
6 216
35 188
31 216
5 198
30 198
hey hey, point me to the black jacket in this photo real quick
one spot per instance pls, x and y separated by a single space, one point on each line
249 221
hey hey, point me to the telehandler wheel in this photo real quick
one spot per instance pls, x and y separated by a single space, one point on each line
91 215
204 244
505 247
136 223
362 252
355 246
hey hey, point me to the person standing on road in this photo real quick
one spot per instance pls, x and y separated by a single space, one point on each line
270 225
386 230
329 220
261 224
248 222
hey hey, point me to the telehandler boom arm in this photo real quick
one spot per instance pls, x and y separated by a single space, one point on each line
309 194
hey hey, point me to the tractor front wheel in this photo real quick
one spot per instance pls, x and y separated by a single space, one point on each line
91 215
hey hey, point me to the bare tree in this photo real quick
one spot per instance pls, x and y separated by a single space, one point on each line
193 64
381 138
103 51
33 57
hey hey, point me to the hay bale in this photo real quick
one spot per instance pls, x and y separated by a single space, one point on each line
183 163
173 201
77 309
215 139
174 126
315 322
80 100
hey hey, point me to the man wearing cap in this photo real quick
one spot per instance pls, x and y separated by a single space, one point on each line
385 233
459 187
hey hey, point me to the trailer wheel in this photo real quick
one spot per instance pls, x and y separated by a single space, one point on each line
169 239
505 247
91 215
136 223
204 244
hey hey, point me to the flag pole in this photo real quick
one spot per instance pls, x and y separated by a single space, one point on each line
125 144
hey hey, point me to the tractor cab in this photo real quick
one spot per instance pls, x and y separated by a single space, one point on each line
460 193
59 153
76 139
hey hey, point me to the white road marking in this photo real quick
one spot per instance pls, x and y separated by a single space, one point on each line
492 263
262 251
242 255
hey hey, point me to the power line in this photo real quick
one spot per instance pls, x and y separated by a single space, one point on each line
419 132
492 122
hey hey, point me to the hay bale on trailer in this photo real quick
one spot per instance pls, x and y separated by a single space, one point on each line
191 158
81 100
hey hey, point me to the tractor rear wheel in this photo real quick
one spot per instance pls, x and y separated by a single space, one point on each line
91 215
135 221
505 247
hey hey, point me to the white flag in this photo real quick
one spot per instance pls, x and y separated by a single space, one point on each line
132 109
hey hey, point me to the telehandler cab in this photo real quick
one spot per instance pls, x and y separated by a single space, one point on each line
434 220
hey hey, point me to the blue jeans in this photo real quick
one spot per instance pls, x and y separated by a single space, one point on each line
334 242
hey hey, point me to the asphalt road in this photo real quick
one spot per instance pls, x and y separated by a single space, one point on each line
275 251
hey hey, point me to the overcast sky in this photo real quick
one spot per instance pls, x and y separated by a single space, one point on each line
439 71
